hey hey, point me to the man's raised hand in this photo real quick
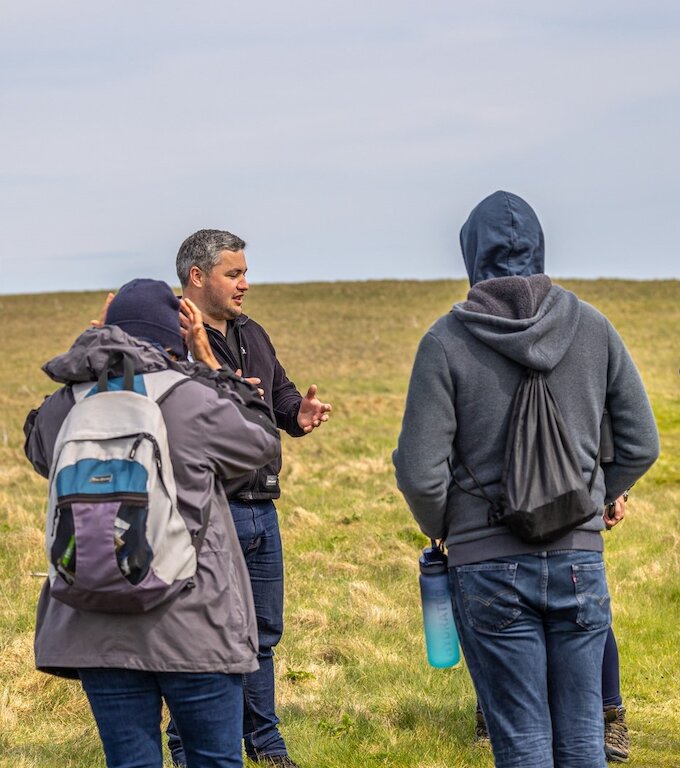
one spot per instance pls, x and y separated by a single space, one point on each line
194 334
253 381
312 411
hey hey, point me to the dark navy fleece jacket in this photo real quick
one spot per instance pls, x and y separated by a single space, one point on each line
466 372
258 358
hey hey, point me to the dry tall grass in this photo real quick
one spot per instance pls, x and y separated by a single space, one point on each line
354 686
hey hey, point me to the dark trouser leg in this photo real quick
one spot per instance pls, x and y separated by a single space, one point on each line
257 527
576 633
175 745
611 684
208 712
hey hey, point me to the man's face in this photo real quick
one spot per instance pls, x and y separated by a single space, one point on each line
225 286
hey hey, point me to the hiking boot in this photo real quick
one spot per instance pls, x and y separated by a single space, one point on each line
280 761
481 734
616 738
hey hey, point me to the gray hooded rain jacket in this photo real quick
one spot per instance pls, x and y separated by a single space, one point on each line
210 628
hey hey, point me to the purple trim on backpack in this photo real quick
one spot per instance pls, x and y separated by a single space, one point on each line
99 584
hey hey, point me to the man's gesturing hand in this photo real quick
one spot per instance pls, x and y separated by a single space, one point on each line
194 334
312 411
253 381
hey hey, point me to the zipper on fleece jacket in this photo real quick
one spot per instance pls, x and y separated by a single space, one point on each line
226 355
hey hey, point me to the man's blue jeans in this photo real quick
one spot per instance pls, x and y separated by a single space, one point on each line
257 526
127 706
533 629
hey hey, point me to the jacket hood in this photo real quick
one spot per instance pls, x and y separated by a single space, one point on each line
502 237
497 313
90 352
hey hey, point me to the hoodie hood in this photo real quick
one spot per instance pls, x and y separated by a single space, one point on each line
90 352
538 341
511 297
502 237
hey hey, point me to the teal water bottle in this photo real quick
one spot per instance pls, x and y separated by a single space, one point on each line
441 637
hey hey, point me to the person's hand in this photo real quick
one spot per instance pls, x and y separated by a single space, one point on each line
194 334
312 411
253 381
614 513
101 320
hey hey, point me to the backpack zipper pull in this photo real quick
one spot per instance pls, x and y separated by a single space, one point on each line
135 445
157 455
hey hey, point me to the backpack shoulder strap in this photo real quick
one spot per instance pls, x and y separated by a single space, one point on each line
81 390
496 505
160 384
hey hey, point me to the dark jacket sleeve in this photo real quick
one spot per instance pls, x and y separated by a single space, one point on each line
42 426
285 397
636 438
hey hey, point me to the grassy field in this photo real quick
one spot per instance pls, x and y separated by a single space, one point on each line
354 686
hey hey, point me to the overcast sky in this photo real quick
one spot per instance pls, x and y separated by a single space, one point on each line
343 141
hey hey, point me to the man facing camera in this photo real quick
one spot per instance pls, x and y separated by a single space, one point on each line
211 266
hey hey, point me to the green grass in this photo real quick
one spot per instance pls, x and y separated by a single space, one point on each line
354 686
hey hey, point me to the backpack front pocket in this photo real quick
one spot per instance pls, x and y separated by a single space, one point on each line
133 553
63 552
125 536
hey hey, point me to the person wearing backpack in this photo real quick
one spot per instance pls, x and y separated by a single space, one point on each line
521 357
148 596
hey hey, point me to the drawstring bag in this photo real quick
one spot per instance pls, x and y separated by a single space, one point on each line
543 491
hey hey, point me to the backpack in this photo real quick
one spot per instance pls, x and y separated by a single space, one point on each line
543 492
115 539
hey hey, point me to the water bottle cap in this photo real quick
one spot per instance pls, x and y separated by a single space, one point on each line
433 560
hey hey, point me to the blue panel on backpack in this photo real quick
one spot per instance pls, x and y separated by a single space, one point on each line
92 476
116 385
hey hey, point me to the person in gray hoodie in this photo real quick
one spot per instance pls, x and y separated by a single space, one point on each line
192 650
532 618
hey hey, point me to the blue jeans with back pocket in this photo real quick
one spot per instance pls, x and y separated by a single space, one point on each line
533 629
127 705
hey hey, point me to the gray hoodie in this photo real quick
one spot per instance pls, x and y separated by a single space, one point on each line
468 367
210 628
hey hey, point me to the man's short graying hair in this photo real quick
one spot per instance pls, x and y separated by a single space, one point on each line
202 249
